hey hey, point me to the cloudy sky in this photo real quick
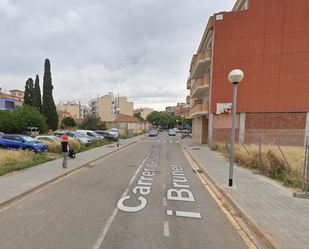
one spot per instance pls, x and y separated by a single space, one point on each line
138 48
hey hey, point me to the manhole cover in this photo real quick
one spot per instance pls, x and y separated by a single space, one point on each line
196 149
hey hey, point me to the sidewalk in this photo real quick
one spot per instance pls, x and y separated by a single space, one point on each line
280 220
19 183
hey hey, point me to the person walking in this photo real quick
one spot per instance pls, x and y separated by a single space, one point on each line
65 152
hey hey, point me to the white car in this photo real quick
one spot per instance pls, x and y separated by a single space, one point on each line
114 131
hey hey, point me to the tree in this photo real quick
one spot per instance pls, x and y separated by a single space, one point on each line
137 115
37 102
5 121
68 121
92 122
22 117
28 95
48 107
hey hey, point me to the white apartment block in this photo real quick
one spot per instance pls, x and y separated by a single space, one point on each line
105 107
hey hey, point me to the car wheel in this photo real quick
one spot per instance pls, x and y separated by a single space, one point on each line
30 149
1 147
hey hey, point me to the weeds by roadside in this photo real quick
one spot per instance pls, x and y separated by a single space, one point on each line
11 160
271 162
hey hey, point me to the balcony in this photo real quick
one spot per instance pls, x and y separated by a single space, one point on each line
188 100
201 64
200 87
189 84
201 109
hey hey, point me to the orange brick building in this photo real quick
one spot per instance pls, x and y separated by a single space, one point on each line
268 41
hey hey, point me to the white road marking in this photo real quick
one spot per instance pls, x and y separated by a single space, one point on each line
169 212
12 205
164 201
188 214
111 218
166 229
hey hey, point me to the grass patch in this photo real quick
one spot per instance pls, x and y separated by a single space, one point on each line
11 160
273 163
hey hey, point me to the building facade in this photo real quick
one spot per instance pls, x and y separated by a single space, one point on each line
105 107
143 112
10 101
267 40
74 109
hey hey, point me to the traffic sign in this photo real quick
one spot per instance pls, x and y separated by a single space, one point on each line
187 126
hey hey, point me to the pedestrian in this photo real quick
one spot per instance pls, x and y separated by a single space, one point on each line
65 151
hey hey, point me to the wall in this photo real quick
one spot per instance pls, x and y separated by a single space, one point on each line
269 42
286 129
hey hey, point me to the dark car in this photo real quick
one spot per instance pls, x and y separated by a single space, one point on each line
17 142
107 135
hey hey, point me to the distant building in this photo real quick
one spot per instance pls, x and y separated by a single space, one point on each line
143 112
73 109
10 101
179 109
105 107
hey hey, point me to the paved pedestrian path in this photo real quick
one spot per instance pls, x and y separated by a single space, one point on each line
281 219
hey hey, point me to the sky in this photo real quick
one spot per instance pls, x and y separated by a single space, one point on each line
140 49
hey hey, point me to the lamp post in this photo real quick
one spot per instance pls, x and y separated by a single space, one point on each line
118 110
235 76
182 127
176 123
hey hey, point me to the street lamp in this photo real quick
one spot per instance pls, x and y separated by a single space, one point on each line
182 127
235 76
118 110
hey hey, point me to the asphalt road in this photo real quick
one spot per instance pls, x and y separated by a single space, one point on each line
144 196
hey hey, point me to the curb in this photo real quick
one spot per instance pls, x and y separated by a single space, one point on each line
61 176
256 228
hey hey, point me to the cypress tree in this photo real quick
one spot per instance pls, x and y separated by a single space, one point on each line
48 107
37 102
28 95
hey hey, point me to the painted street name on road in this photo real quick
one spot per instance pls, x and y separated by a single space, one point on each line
144 182
182 194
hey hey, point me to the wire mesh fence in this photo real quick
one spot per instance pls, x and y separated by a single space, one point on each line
283 155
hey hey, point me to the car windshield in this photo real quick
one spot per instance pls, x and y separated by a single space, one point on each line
29 139
79 134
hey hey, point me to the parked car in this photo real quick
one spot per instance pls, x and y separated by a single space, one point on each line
32 131
107 135
153 133
1 133
81 138
171 133
176 130
114 131
91 134
17 142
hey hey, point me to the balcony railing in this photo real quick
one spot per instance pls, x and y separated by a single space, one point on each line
201 64
200 87
189 84
188 100
199 110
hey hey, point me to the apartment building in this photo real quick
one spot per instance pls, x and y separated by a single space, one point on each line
73 109
267 40
143 112
105 107
10 101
